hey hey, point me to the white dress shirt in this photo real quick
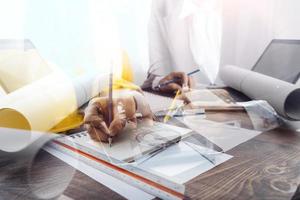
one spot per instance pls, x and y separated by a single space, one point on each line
184 35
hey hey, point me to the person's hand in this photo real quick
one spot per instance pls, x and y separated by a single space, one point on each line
125 106
181 82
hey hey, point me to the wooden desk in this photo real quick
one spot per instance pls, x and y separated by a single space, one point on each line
266 167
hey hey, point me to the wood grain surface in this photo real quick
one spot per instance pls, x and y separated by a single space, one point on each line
266 167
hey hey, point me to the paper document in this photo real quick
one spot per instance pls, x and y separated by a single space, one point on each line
206 97
225 136
118 161
181 162
168 168
160 103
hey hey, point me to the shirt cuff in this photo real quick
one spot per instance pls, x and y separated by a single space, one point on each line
155 83
142 107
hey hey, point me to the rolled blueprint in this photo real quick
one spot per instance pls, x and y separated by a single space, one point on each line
44 103
283 96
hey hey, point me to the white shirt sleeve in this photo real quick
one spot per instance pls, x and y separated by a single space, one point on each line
160 60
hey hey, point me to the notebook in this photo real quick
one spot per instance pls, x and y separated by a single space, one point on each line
132 144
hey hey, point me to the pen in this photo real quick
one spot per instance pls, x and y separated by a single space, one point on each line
174 80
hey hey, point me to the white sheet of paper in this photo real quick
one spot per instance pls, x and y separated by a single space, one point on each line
205 97
125 190
225 136
160 103
181 163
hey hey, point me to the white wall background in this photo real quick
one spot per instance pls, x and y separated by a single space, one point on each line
250 25
286 24
132 17
78 34
247 31
287 19
11 16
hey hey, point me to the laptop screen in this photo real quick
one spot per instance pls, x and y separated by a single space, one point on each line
281 60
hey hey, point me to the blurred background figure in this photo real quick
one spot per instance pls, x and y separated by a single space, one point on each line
184 35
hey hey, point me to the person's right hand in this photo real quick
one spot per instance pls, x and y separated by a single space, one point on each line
125 106
96 118
181 82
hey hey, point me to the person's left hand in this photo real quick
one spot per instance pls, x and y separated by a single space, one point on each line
181 82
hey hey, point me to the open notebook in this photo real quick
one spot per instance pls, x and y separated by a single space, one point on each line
131 144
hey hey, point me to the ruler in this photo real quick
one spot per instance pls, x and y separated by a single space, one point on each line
150 183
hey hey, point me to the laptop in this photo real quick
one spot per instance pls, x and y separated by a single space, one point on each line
281 60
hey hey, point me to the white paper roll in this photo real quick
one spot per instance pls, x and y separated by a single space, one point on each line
283 96
44 103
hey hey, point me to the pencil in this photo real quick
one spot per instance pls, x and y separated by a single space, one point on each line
110 103
171 108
